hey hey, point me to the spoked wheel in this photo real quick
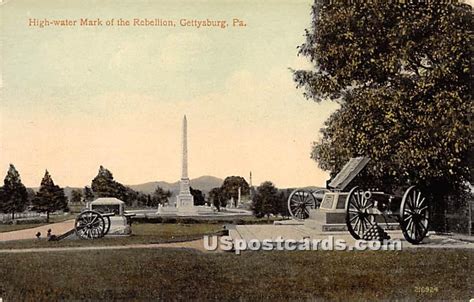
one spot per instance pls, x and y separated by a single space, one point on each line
107 224
359 217
300 202
90 225
414 215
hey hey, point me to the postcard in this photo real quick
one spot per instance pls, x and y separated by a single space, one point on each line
235 150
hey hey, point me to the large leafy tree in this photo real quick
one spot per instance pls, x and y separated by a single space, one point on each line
13 194
50 197
230 187
266 200
401 74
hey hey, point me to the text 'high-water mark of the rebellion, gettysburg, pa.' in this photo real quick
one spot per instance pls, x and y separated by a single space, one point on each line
138 22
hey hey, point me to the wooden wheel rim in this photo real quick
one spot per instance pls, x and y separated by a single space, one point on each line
299 203
414 215
358 217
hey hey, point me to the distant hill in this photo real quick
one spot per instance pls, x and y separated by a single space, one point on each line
203 183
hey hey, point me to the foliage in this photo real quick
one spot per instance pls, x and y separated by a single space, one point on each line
13 194
217 198
50 197
230 187
160 196
401 73
266 200
198 196
104 185
88 194
76 196
283 202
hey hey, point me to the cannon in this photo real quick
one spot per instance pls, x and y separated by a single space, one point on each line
95 224
411 210
302 200
364 208
92 224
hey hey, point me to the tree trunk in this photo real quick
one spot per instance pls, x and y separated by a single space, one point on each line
13 215
47 216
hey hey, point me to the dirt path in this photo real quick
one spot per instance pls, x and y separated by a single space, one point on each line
56 229
195 244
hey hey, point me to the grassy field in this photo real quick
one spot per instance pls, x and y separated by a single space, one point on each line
22 226
142 233
185 275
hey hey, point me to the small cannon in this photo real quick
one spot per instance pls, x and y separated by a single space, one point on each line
96 221
92 224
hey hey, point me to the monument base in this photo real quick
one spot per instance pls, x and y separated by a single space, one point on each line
184 200
187 211
166 210
119 226
322 220
184 211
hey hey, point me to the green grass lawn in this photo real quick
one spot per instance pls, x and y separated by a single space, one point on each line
171 274
141 233
52 219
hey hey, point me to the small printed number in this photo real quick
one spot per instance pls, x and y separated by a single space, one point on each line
426 289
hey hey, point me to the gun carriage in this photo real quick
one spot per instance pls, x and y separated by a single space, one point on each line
363 207
102 216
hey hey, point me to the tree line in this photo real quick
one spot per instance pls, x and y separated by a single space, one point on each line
15 198
266 199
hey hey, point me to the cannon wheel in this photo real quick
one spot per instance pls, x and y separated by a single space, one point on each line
414 215
299 203
107 224
358 217
90 225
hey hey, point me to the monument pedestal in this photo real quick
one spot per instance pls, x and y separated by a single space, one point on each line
331 215
324 221
119 226
166 210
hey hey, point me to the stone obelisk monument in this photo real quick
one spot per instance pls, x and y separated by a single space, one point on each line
184 200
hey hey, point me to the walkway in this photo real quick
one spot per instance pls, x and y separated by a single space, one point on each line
56 229
195 244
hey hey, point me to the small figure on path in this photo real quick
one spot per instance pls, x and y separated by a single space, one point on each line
38 235
49 233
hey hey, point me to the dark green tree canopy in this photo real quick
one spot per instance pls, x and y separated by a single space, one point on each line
50 197
198 196
76 196
230 187
401 73
266 200
160 196
386 44
14 196
216 196
88 194
104 185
